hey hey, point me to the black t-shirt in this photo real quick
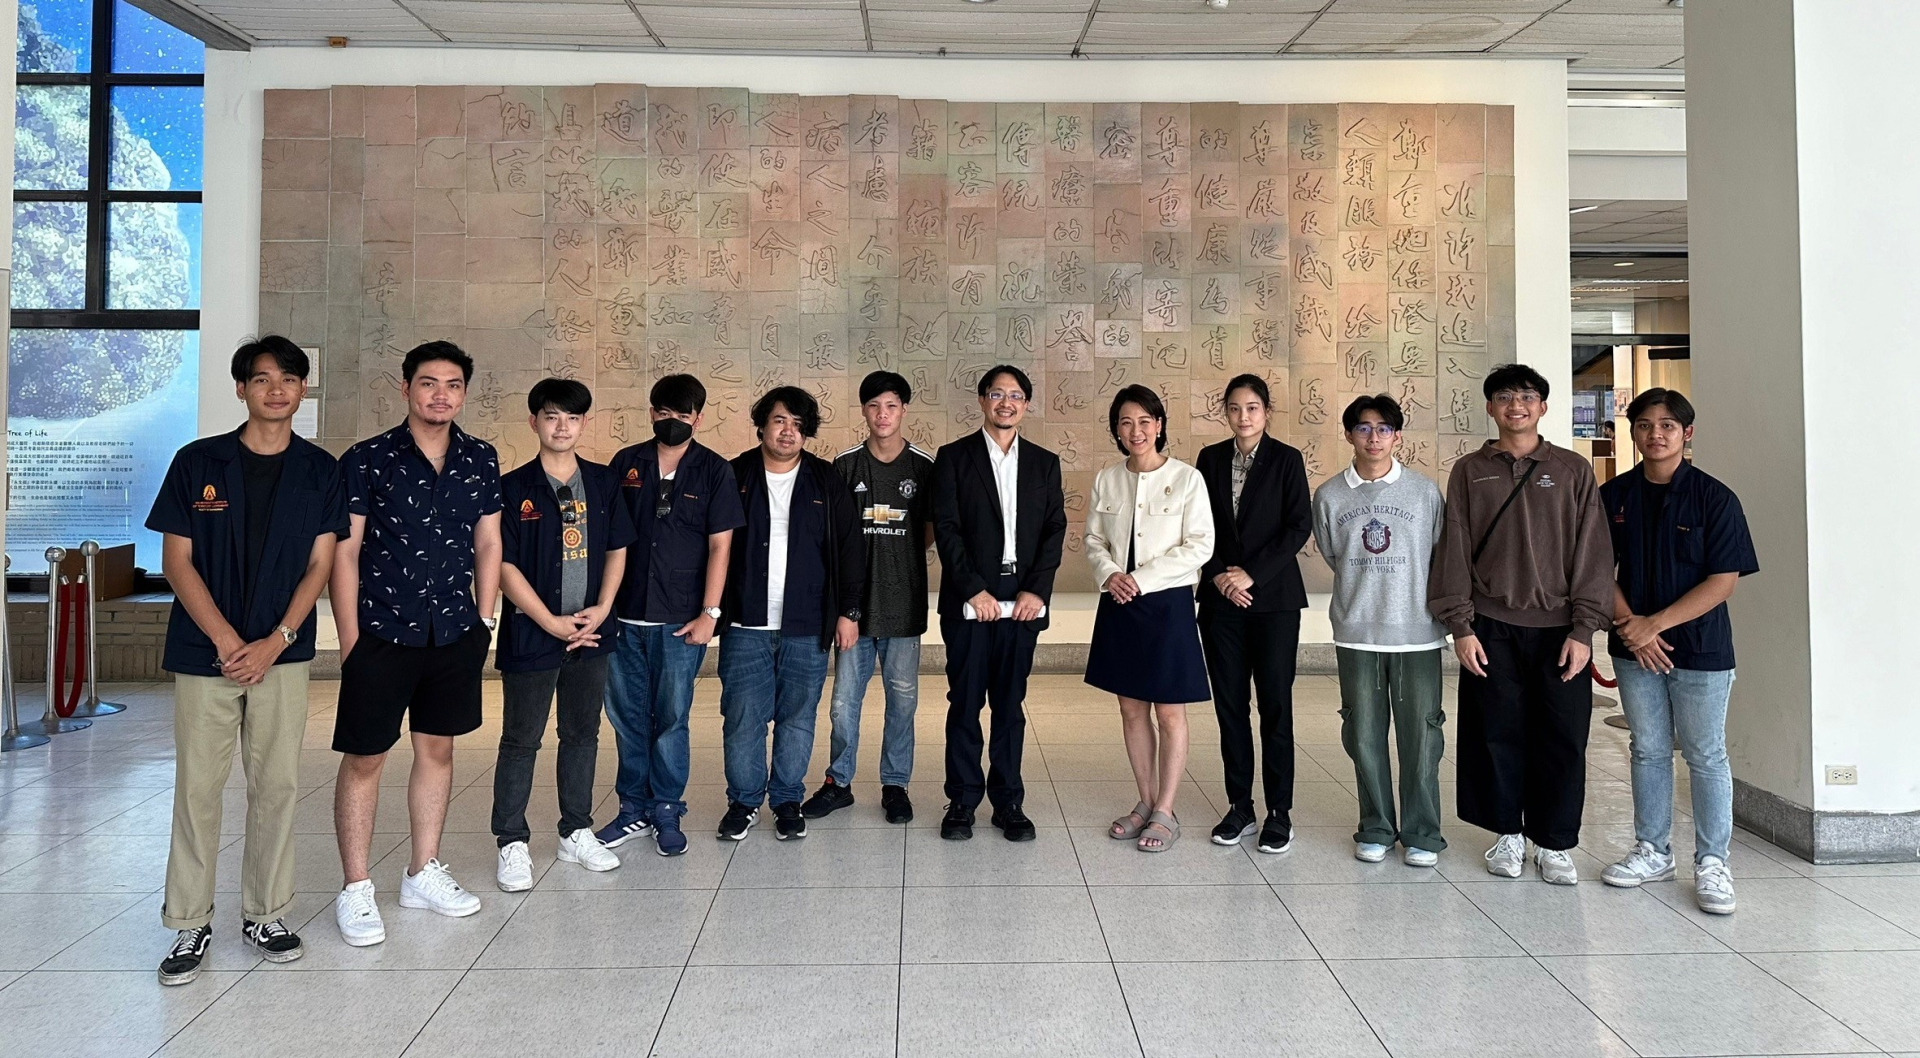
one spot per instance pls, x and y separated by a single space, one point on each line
1653 496
895 501
260 475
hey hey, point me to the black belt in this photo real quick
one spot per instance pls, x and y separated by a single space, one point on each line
1008 569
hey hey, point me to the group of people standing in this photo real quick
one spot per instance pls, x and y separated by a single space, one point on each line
618 576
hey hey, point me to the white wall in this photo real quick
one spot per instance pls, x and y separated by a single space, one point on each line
1621 152
1536 89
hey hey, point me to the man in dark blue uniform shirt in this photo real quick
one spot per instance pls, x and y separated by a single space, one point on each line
251 519
413 592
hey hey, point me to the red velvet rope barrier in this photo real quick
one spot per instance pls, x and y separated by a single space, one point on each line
73 597
1594 670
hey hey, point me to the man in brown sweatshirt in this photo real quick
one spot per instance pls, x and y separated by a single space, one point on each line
1522 578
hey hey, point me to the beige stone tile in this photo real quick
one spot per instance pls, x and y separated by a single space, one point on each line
295 164
292 113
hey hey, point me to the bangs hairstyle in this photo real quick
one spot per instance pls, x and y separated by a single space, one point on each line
1149 402
681 393
1253 382
1675 402
1514 377
882 382
1019 376
564 395
1386 407
287 357
797 401
428 352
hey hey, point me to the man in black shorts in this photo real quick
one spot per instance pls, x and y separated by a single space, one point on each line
414 586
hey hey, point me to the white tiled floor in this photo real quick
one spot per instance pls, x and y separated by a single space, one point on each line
867 939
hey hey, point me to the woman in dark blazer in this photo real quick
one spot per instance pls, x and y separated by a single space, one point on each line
1251 596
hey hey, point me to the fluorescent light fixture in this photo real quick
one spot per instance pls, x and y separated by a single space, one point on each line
1581 209
1623 264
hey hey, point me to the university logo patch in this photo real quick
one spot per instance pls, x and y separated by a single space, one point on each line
527 513
1376 537
210 500
1546 481
207 493
632 479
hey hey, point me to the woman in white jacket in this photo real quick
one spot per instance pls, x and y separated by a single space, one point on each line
1149 530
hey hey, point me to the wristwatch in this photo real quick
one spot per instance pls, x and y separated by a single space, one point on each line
853 613
287 634
712 611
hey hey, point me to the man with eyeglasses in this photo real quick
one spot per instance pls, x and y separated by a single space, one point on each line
1523 580
564 545
681 497
999 523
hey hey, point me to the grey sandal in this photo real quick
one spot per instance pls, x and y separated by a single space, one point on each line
1167 825
1129 826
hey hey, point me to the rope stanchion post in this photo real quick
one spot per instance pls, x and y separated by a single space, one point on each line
52 723
12 738
92 706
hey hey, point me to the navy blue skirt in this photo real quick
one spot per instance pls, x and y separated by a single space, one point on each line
1149 649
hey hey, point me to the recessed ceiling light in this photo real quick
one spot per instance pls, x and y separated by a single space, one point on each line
1582 209
1623 264
979 1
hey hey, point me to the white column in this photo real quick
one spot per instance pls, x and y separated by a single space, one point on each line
1805 262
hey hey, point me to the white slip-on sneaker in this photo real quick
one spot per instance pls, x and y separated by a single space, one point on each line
1368 852
515 871
1644 864
1413 857
357 915
1713 886
583 848
434 889
1556 867
1508 856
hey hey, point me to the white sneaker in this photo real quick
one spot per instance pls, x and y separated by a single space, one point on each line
1644 864
358 916
515 871
1713 886
1556 867
1368 852
433 889
1508 856
583 848
1413 857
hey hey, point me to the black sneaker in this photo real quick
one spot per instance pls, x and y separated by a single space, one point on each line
1276 834
831 798
276 942
1013 823
957 825
182 963
895 802
1238 823
788 822
738 820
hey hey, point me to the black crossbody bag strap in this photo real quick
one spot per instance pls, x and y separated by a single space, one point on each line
1497 515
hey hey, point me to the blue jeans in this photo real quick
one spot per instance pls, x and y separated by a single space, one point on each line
1689 705
649 693
899 659
768 678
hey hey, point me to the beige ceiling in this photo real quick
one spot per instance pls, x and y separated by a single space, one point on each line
1618 34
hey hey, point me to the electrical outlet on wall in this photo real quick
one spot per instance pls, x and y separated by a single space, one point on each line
1842 775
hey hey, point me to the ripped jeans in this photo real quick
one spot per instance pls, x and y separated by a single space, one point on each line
1376 686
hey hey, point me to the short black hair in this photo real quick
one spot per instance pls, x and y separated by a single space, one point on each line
427 352
885 382
681 393
1253 382
1516 377
289 357
796 400
986 379
1675 402
1387 408
1149 402
564 395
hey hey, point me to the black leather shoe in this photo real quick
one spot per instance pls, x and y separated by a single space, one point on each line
1014 823
896 804
958 823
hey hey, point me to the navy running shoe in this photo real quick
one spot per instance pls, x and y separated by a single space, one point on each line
666 830
632 822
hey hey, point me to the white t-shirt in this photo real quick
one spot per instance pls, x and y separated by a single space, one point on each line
779 511
647 624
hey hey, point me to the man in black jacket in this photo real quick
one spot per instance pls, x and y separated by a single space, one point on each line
999 521
1250 602
801 545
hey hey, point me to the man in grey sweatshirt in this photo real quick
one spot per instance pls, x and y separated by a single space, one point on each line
1377 526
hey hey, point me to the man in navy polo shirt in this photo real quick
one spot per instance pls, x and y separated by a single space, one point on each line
414 587
1680 544
564 535
793 590
251 519
684 506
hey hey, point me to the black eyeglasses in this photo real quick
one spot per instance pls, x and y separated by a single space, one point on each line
568 514
663 502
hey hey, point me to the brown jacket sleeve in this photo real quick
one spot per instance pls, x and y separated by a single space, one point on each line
1450 584
1590 580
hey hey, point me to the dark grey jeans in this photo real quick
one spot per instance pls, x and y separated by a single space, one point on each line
580 684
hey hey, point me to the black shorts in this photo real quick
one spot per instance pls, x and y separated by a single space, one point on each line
436 688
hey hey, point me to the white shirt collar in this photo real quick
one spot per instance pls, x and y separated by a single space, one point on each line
1354 480
993 447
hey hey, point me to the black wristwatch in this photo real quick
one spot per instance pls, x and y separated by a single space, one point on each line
853 614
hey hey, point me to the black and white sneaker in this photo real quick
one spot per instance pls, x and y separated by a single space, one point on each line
788 822
183 960
1238 823
276 942
738 820
1276 834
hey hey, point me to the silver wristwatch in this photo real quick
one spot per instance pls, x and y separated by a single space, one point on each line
287 634
712 611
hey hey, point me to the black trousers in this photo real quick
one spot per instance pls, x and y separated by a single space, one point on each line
580 683
1522 739
987 665
1249 655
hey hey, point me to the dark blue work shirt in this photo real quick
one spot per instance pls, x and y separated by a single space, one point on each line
667 566
1698 532
531 531
416 557
203 498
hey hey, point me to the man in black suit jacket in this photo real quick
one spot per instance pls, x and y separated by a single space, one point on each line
983 483
1251 596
